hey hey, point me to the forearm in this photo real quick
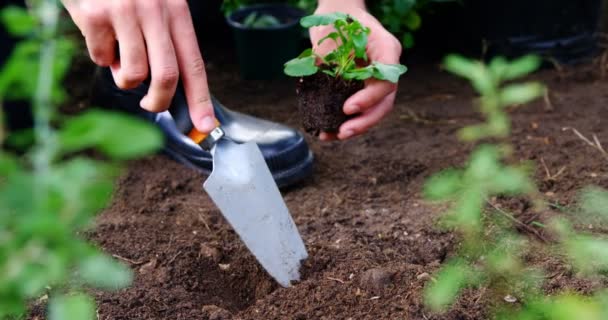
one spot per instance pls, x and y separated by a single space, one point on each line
342 4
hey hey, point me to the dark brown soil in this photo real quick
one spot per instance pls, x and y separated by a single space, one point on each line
321 100
373 242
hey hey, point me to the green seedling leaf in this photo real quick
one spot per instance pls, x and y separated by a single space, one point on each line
450 281
511 181
484 163
516 94
521 67
360 41
359 74
389 72
73 307
105 273
17 21
589 254
443 185
568 306
594 202
301 67
333 36
322 19
117 135
460 66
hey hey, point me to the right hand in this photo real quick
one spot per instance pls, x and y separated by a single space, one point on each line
155 36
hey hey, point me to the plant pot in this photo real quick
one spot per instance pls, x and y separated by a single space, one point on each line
563 30
321 100
262 52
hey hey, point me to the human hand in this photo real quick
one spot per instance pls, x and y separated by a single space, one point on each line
376 100
153 36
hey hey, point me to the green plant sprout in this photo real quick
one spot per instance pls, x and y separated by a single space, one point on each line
491 254
260 21
350 37
50 194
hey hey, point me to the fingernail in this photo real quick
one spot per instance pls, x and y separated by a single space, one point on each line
351 109
208 124
347 134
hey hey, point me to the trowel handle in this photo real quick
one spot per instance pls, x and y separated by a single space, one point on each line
207 140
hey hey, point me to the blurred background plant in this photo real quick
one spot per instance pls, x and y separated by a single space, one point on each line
492 252
51 190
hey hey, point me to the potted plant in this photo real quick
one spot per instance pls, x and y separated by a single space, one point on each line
326 81
265 35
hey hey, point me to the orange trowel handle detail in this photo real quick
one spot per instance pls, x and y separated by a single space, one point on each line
198 136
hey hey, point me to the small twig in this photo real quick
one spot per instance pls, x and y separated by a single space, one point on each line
133 262
519 223
200 216
548 173
548 104
174 257
594 144
336 279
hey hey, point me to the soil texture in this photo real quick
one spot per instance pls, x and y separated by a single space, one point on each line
321 101
373 241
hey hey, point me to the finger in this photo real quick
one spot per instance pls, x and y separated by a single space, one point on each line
325 136
161 55
191 66
368 119
373 93
96 28
131 68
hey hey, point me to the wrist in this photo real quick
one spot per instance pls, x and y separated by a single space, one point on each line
341 5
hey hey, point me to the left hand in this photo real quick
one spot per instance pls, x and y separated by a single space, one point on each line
376 100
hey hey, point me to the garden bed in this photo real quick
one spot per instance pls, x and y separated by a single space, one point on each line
373 242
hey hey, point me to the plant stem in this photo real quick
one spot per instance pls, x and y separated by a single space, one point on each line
48 13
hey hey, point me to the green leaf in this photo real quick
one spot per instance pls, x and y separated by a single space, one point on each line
484 163
359 74
511 181
72 307
408 40
301 67
589 254
117 135
322 19
105 273
8 164
17 21
594 202
333 35
389 72
521 67
413 21
360 43
516 94
568 307
443 185
450 281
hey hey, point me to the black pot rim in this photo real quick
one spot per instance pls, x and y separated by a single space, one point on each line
278 9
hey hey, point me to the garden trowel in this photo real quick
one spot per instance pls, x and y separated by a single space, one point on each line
242 187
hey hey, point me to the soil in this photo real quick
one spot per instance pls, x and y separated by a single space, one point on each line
321 100
373 241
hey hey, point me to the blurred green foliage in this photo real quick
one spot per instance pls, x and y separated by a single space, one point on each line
50 194
491 253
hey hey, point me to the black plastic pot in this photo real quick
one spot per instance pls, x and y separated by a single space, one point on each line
564 30
262 52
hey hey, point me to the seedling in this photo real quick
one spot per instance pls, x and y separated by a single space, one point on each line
491 251
350 37
256 20
50 196
328 80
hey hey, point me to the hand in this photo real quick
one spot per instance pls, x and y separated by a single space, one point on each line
376 100
155 36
